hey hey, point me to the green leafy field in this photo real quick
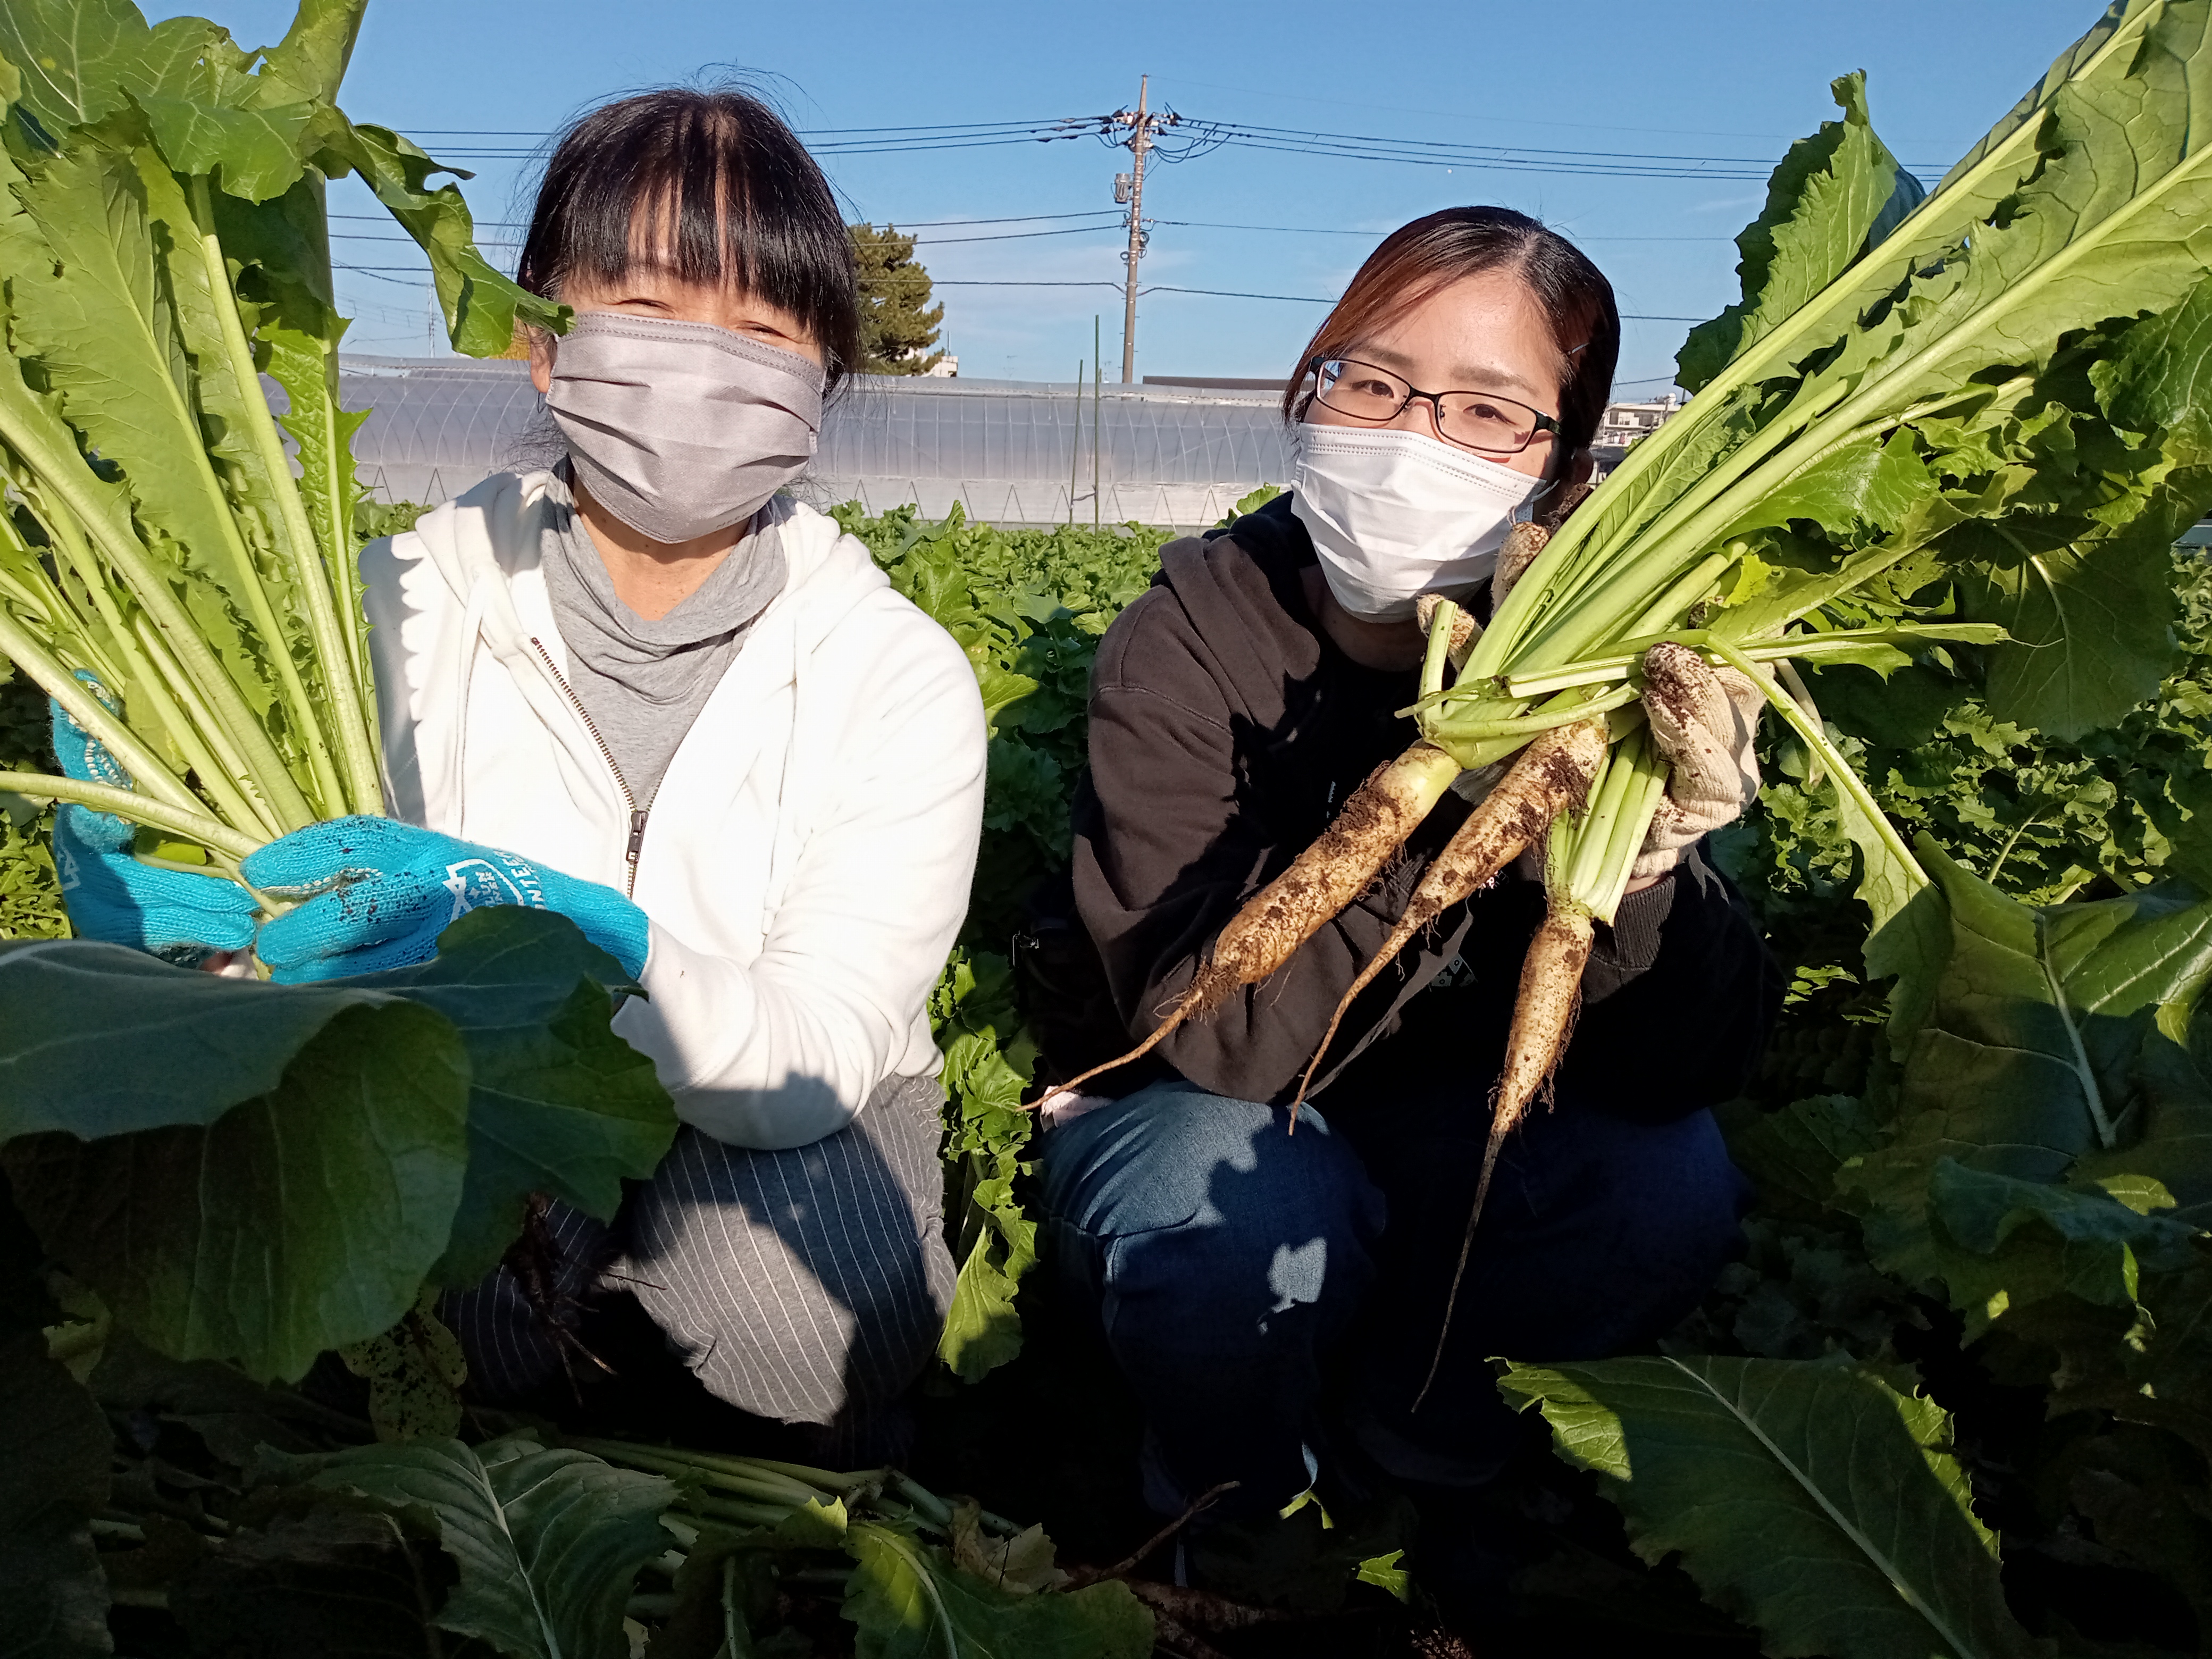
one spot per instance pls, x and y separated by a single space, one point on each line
1961 1318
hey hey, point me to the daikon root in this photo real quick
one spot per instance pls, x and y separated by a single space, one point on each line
1328 875
1552 775
1586 873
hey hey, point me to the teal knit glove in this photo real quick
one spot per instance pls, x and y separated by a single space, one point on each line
379 892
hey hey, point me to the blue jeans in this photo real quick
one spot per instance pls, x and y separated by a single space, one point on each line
1240 1271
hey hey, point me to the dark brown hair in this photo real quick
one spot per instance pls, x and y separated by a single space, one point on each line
1430 253
747 203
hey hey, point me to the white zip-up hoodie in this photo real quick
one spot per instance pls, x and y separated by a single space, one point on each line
806 864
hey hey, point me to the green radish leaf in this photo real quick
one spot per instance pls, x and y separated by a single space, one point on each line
1808 1498
548 1542
2018 1242
2023 1058
982 1329
55 1454
315 1208
307 369
2173 1145
2090 617
118 334
483 306
309 62
1793 1156
77 59
103 1040
257 150
1821 202
909 1602
558 1103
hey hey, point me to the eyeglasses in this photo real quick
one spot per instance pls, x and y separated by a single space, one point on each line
1480 420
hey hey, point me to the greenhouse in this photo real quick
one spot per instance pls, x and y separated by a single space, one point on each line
1009 452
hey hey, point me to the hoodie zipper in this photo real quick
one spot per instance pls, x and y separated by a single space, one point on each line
637 814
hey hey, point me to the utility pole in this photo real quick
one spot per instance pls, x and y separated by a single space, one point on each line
1129 188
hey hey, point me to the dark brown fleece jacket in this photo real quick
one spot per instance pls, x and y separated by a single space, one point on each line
1226 729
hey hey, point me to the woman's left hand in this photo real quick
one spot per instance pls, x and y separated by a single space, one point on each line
1705 722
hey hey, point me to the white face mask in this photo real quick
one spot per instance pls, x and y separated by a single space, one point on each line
1397 514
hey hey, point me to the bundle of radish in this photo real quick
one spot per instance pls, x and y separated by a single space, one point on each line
1964 428
176 580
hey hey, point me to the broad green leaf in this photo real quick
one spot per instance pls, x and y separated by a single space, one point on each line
2161 382
910 1603
558 1103
256 150
483 306
55 1452
2024 1058
2015 1242
548 1542
997 1242
1792 1156
76 57
1821 202
2171 1142
1807 1497
311 59
2090 618
982 1329
123 334
95 314
102 1040
2119 28
302 1219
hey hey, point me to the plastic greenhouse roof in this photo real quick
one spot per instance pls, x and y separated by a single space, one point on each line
1008 451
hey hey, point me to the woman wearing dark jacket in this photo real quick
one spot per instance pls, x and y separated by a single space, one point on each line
1243 1275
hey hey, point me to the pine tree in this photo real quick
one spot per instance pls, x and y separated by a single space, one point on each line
898 325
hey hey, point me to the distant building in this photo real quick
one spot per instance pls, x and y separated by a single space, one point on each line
1622 424
946 367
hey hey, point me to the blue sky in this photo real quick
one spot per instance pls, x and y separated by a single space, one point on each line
1721 78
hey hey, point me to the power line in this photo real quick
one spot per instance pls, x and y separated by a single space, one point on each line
1198 136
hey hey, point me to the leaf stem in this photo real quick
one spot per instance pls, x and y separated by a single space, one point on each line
354 781
70 485
1848 781
139 809
148 770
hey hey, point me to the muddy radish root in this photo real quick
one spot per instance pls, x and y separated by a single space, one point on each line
1523 544
1374 822
1465 629
1543 1016
1551 775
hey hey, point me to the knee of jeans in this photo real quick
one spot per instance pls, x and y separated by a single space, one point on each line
1174 1155
1288 1229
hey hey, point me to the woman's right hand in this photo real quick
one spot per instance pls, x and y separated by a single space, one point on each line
111 897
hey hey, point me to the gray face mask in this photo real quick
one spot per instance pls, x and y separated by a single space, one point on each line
681 428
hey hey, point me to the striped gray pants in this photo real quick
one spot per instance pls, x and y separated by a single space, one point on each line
804 1285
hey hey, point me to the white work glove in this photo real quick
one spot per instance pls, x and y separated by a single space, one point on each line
1705 722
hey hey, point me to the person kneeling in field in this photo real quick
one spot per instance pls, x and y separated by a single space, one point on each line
645 691
1276 1298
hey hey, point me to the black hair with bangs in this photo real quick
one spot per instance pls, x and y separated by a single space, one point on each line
749 207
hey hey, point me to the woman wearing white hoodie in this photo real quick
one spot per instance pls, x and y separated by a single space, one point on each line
643 690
